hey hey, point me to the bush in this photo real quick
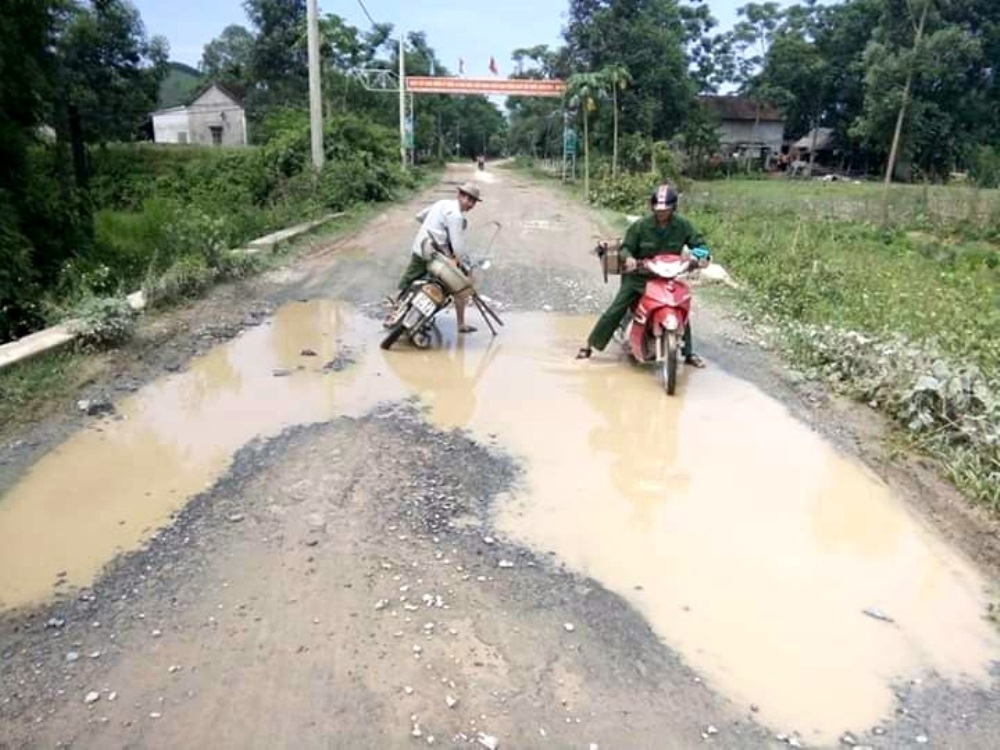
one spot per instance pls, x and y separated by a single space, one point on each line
630 191
103 322
985 169
188 277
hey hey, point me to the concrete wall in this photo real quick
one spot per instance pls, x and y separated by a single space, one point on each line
732 133
214 109
169 125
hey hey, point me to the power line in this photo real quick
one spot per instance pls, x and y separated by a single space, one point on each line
362 4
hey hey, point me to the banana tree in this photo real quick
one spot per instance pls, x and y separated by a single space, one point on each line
583 91
617 78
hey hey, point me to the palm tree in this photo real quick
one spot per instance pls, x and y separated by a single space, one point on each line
583 90
617 78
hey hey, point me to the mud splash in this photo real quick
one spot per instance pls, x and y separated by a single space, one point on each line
750 545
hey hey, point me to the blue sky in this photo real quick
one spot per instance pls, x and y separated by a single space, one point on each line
468 29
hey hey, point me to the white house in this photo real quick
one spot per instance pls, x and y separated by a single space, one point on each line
214 117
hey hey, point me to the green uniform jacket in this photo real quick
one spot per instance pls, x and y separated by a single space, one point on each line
644 239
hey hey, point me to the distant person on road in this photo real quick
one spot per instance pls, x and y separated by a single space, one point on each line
663 231
442 228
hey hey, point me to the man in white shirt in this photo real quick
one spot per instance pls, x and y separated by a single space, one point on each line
442 228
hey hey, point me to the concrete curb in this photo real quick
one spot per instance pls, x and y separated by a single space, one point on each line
59 335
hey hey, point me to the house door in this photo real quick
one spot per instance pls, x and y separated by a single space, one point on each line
216 131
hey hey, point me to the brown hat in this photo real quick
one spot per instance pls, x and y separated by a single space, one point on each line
471 189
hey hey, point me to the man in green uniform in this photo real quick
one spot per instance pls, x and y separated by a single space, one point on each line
663 231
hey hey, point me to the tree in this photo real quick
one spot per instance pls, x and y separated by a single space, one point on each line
649 38
279 61
894 149
27 30
583 91
751 41
616 77
228 58
927 77
109 70
535 124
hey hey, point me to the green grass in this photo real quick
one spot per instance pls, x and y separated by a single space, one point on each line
809 263
30 390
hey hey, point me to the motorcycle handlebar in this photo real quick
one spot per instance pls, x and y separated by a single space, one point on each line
641 265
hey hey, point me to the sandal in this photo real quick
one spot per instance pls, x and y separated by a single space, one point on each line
467 329
584 352
695 361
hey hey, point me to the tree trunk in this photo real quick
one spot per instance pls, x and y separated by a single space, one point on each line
753 133
586 157
812 145
80 167
894 149
614 157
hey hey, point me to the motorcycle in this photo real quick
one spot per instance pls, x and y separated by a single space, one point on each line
654 327
415 312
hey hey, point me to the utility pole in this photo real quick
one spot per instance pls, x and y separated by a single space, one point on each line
890 167
402 102
315 89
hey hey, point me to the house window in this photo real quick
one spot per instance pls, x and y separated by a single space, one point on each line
182 136
216 131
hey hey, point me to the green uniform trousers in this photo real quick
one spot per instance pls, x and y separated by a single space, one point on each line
416 269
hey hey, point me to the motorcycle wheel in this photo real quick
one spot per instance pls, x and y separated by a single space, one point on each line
393 336
669 365
421 339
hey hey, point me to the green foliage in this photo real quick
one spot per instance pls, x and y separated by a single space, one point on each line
985 167
228 58
178 85
38 385
188 276
109 69
19 311
647 38
902 319
102 322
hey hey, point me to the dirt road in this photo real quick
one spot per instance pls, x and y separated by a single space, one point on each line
285 537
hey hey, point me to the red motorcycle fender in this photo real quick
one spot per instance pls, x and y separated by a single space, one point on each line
636 334
669 319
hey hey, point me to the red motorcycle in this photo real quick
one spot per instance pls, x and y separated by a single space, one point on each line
654 329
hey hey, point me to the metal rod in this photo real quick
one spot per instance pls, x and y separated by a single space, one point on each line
402 101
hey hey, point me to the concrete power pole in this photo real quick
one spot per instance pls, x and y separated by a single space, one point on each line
402 102
315 89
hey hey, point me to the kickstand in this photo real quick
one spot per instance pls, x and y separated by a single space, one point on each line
479 306
488 310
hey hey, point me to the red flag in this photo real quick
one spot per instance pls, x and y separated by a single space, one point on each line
493 65
461 66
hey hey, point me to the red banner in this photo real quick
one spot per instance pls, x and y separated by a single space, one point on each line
501 86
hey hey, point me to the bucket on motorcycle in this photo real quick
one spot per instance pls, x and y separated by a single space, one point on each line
609 253
449 273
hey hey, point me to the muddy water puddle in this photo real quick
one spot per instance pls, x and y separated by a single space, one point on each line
108 487
748 543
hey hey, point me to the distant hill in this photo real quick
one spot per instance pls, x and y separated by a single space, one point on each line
180 83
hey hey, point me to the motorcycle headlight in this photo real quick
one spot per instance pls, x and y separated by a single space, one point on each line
672 322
